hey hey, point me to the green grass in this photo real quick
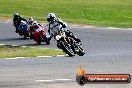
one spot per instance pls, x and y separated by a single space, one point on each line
117 13
10 52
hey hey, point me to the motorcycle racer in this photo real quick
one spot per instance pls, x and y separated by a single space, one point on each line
35 26
38 33
17 20
55 25
30 21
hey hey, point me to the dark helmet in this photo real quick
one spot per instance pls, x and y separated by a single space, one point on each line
51 17
16 15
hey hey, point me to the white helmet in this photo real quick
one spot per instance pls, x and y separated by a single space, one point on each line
30 20
51 17
36 25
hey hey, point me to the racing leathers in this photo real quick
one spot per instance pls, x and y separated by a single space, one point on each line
57 25
35 27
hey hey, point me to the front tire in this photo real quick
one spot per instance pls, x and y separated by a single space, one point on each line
66 49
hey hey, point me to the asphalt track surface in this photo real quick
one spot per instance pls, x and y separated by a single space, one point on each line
107 51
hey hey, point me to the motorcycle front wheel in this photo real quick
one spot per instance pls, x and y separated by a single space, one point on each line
66 48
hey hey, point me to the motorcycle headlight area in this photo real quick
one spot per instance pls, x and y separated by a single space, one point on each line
58 37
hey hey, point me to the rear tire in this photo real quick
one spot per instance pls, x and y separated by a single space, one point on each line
20 34
81 51
38 42
46 40
31 36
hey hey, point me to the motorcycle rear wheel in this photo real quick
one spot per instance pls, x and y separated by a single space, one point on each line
81 51
46 40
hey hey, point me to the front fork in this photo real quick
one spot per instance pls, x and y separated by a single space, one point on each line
74 46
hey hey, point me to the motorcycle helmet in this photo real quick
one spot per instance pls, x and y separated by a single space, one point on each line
51 17
35 25
30 20
16 15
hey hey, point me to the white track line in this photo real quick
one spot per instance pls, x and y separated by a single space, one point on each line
60 55
2 44
14 45
62 79
37 56
11 58
44 80
113 28
24 46
16 58
44 56
110 28
53 80
20 57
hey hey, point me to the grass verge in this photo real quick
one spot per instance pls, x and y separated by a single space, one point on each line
116 13
11 52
